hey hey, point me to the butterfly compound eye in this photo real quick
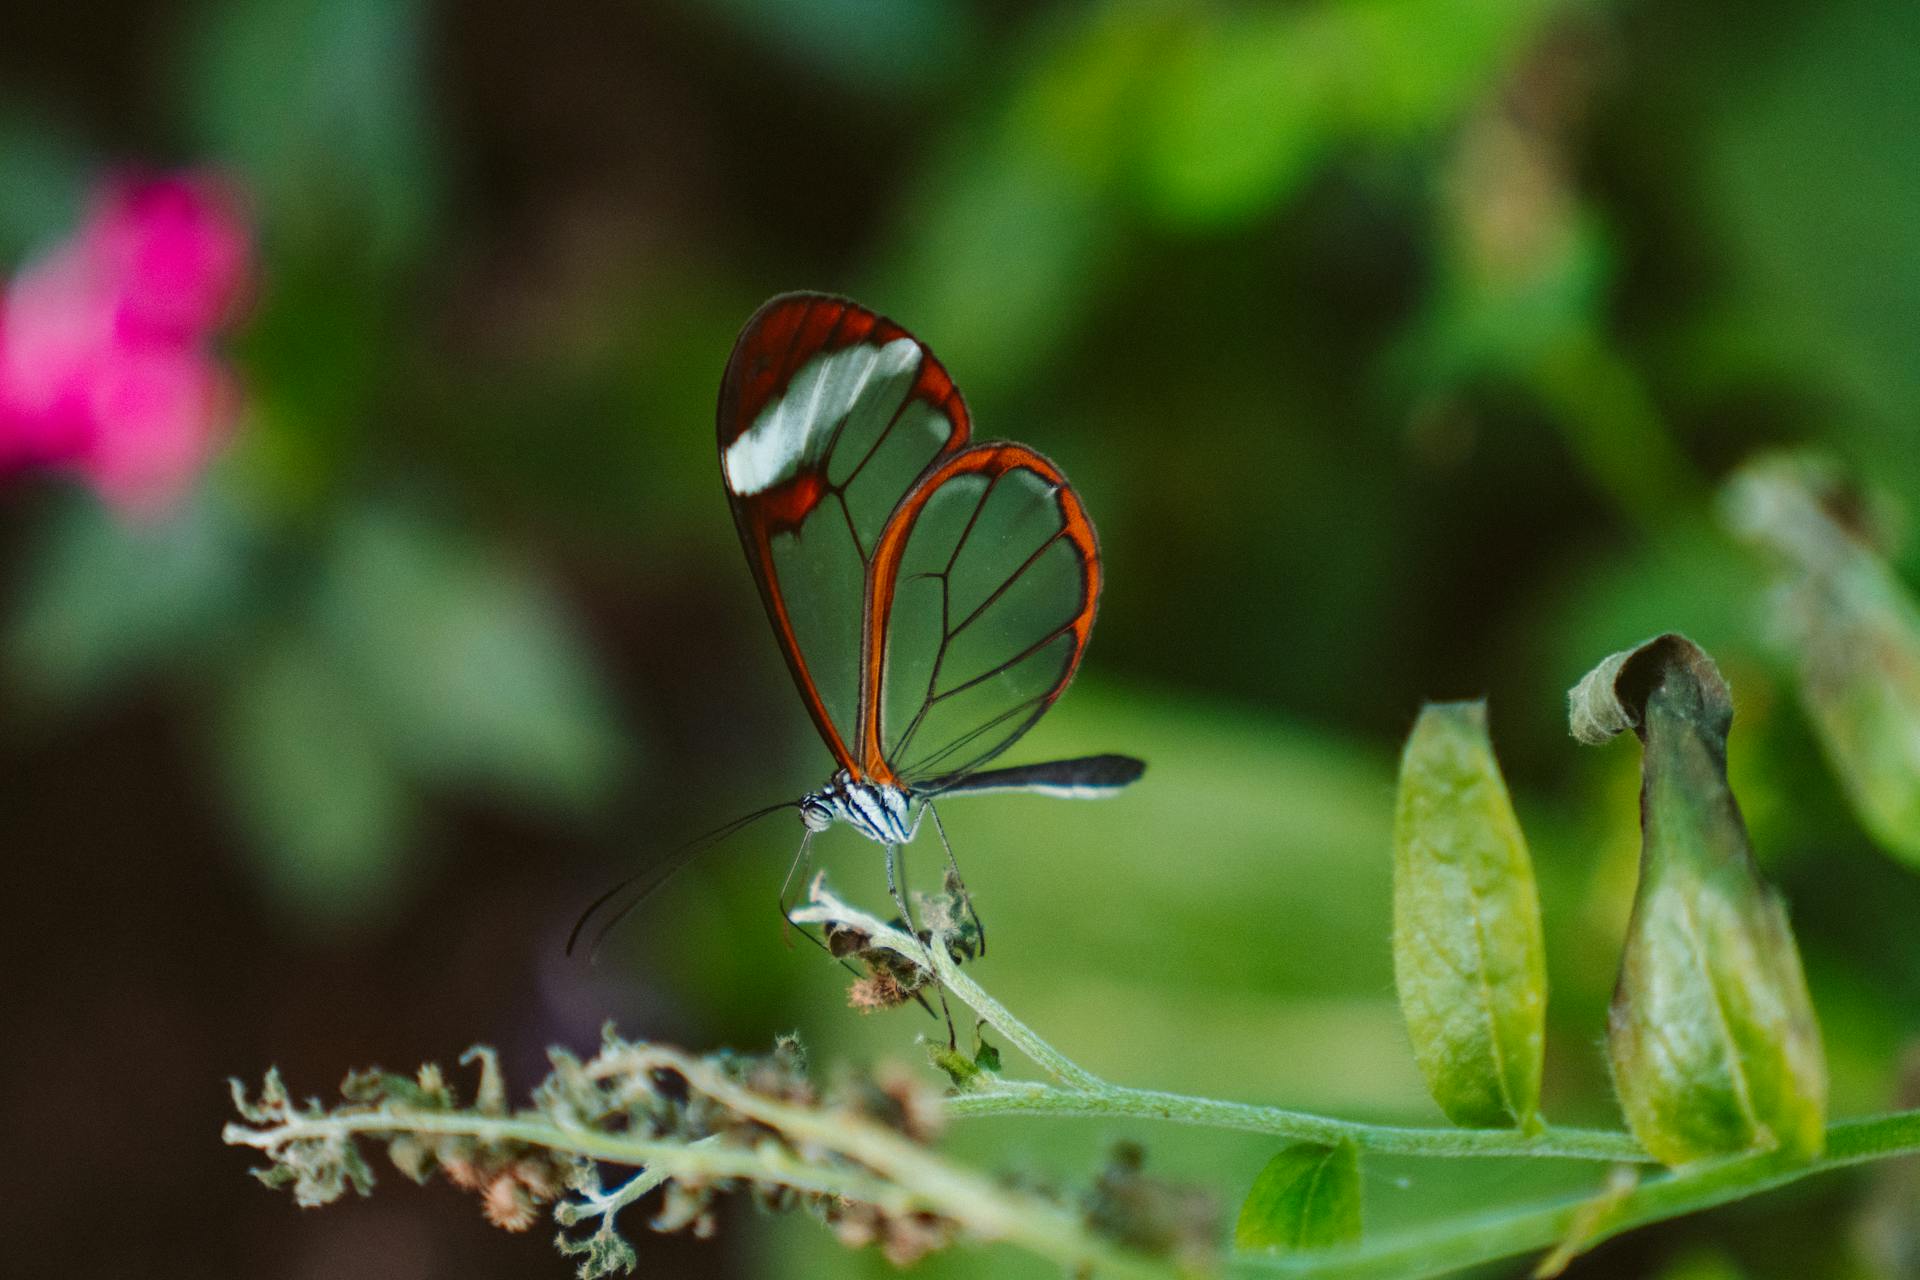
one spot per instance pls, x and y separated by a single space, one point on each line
815 815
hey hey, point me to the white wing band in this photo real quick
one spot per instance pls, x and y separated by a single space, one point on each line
791 431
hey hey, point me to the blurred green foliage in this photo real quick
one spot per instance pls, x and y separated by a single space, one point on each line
1397 347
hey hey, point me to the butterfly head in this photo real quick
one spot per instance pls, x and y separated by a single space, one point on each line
879 812
816 811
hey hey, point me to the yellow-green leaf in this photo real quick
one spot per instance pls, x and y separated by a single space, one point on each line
1712 1035
1468 956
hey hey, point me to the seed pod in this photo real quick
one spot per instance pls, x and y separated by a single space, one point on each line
1468 957
1854 633
1712 1035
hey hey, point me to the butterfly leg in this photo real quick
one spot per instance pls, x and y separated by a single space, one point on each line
954 866
897 887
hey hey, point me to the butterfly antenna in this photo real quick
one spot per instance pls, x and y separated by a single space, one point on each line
638 887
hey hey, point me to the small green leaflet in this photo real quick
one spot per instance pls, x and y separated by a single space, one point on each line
1308 1197
1469 959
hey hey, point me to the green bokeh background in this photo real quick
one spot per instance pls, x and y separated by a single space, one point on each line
1397 348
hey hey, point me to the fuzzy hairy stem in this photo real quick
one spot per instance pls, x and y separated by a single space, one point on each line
1009 1097
1079 1092
672 1159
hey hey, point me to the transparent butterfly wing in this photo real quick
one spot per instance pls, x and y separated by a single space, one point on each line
828 415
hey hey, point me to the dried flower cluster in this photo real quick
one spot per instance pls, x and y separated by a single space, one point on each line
513 1180
891 979
697 1115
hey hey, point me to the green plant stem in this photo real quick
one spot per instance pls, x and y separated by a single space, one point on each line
1082 1093
1023 1098
1488 1238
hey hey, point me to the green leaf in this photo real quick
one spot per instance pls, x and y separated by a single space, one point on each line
326 806
106 600
1307 1197
1712 1035
1245 103
890 48
1854 632
467 661
45 190
1469 956
320 106
1201 163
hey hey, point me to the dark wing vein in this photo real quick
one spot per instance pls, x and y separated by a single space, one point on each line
800 327
878 440
950 631
972 520
839 428
1038 700
839 491
947 631
1012 578
847 514
945 576
998 668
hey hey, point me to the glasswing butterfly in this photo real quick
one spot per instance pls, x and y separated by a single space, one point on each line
932 596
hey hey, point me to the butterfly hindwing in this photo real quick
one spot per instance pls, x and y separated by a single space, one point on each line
828 415
981 600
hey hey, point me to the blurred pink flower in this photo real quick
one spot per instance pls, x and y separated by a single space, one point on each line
106 360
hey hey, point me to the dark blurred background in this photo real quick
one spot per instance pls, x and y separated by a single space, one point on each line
1397 347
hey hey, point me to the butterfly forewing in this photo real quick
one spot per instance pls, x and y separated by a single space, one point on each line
828 415
984 589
